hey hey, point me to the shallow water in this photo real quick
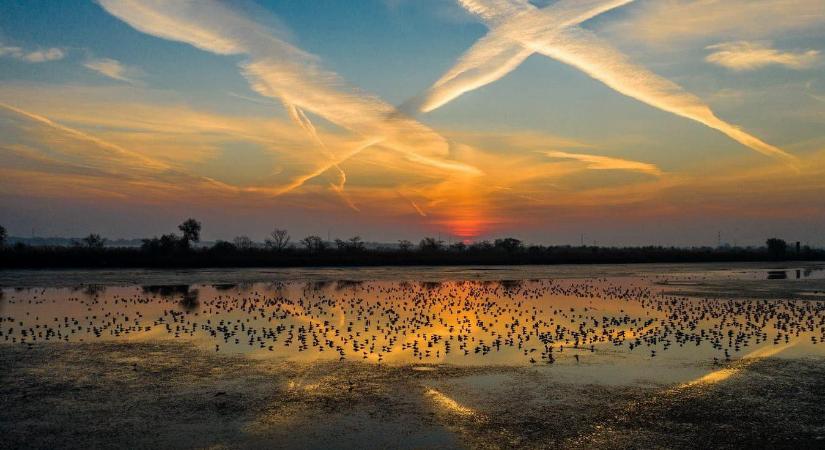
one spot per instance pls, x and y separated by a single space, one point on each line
692 273
644 324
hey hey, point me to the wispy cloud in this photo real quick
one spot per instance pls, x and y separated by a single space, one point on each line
304 138
167 130
496 55
519 28
662 23
112 68
412 203
743 55
279 70
70 154
583 50
596 162
113 152
32 56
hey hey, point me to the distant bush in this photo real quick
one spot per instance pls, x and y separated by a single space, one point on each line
314 244
92 241
776 248
243 243
171 250
430 244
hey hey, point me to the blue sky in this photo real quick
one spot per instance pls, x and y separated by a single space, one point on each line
550 148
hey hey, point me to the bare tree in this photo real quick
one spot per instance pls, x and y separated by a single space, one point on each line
243 243
313 243
2 236
278 239
431 244
94 241
405 245
508 244
355 244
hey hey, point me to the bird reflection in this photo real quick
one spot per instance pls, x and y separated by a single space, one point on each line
535 321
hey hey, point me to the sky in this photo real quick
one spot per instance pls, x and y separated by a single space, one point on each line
614 122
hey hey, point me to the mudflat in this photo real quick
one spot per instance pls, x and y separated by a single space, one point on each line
174 395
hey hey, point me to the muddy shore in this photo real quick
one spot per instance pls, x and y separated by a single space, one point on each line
174 395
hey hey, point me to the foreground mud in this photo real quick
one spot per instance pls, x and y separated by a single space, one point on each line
173 395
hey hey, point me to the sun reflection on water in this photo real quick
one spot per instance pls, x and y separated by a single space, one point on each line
535 322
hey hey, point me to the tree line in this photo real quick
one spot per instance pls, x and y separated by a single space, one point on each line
279 249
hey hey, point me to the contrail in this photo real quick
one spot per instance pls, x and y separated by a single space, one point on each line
584 51
299 181
607 163
519 29
496 55
278 70
413 204
130 161
343 196
418 209
114 148
298 116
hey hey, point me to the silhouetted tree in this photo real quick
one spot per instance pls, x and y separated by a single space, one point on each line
430 244
149 245
191 230
481 246
278 240
2 236
166 244
353 244
458 246
508 244
405 245
243 243
314 243
776 247
93 241
535 250
223 247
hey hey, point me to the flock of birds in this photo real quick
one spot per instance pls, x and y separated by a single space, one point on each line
535 321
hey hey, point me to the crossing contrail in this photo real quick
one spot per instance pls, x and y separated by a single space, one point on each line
279 70
496 55
519 29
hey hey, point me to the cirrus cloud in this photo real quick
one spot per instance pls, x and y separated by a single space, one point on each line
32 56
596 162
111 68
662 23
518 29
278 70
743 55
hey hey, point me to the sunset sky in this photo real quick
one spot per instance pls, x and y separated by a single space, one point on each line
625 122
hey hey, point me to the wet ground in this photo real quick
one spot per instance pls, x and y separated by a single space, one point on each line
673 361
173 395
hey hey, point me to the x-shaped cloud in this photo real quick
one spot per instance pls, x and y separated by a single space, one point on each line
519 29
279 70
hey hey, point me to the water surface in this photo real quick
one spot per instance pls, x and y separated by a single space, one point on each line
603 324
